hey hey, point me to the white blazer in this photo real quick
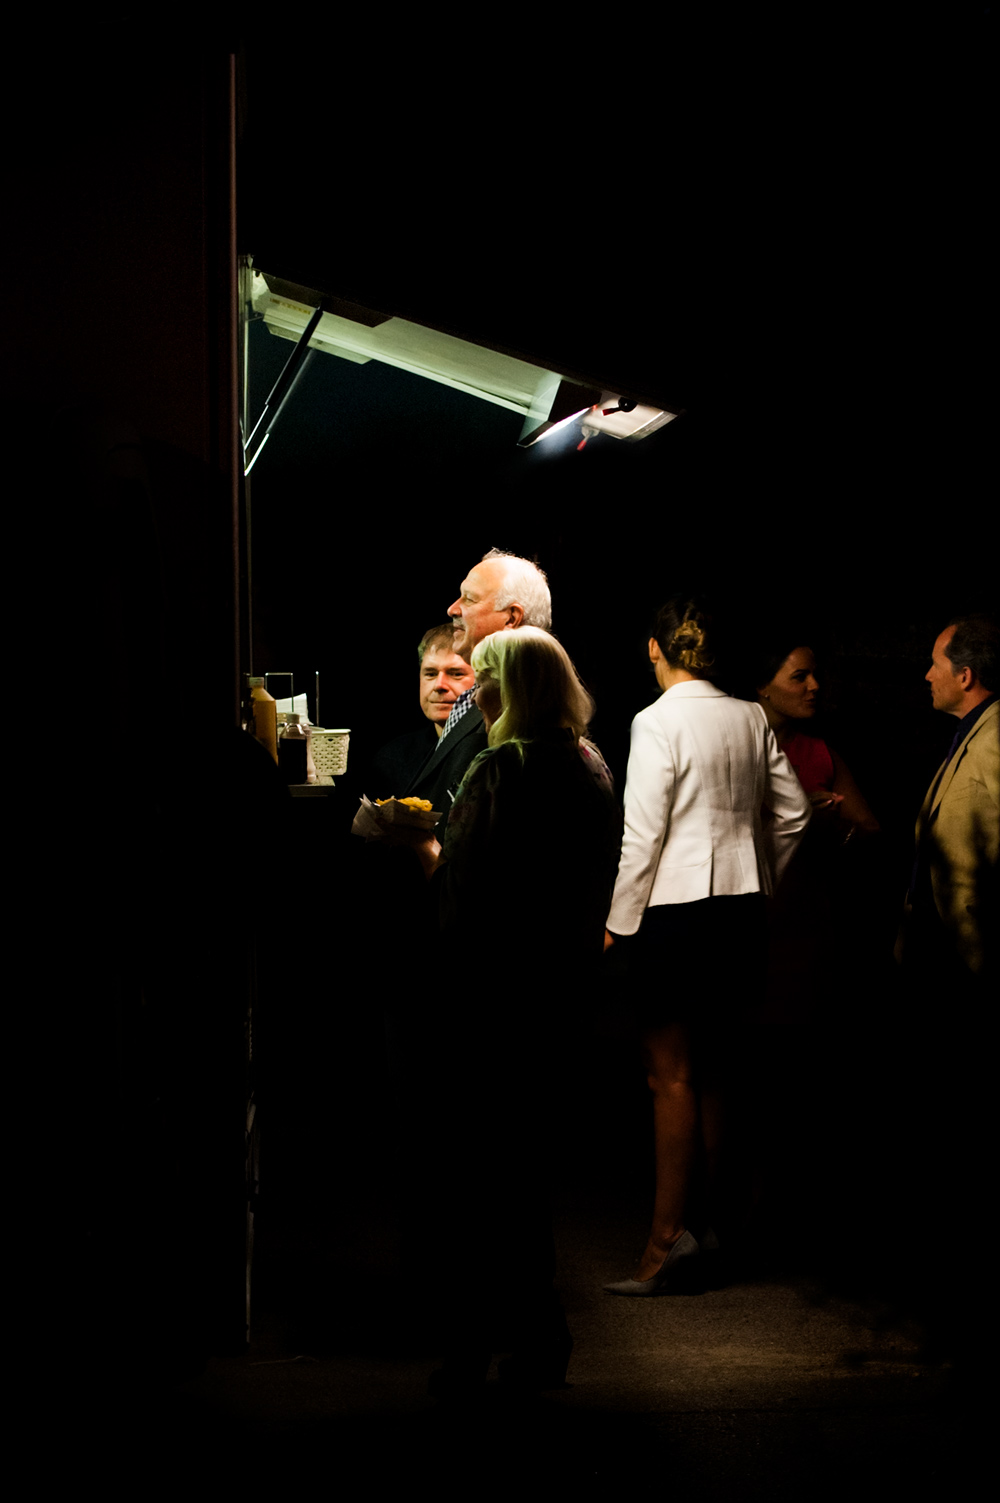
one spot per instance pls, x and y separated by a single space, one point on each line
700 769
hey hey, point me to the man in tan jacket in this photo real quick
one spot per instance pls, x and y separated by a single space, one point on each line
951 917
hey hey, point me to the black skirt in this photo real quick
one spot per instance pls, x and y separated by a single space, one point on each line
701 963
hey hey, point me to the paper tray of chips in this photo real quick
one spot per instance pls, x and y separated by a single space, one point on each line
371 817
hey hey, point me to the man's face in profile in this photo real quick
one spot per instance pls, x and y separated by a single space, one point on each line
474 612
946 683
443 677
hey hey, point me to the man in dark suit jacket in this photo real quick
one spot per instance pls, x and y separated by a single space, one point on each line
501 593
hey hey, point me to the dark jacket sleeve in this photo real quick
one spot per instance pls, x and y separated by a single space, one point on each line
441 774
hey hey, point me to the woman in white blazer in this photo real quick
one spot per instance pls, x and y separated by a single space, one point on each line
713 813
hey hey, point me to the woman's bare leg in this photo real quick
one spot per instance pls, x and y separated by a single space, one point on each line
712 1123
675 1129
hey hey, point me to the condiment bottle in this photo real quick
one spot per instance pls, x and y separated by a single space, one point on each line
265 724
292 749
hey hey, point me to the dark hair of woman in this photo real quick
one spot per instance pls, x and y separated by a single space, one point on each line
684 631
771 641
767 663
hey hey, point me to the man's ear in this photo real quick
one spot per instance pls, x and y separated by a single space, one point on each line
966 677
515 615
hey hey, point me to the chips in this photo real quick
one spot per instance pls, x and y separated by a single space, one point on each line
411 803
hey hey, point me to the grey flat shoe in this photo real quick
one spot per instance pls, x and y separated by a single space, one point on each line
679 1274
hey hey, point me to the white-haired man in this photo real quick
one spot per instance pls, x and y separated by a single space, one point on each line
501 593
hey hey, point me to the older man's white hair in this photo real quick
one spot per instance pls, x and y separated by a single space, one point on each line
523 584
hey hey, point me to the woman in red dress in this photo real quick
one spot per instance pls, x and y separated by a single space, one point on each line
819 935
790 700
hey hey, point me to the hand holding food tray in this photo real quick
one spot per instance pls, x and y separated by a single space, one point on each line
375 820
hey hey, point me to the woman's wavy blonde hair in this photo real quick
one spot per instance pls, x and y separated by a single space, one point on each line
539 688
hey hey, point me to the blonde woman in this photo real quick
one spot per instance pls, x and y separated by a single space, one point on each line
522 877
696 861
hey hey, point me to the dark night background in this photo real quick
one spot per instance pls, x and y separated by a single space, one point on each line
792 254
795 261
782 234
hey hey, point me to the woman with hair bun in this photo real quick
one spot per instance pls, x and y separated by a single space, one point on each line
696 859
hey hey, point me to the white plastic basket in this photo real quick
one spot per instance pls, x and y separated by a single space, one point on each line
329 749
